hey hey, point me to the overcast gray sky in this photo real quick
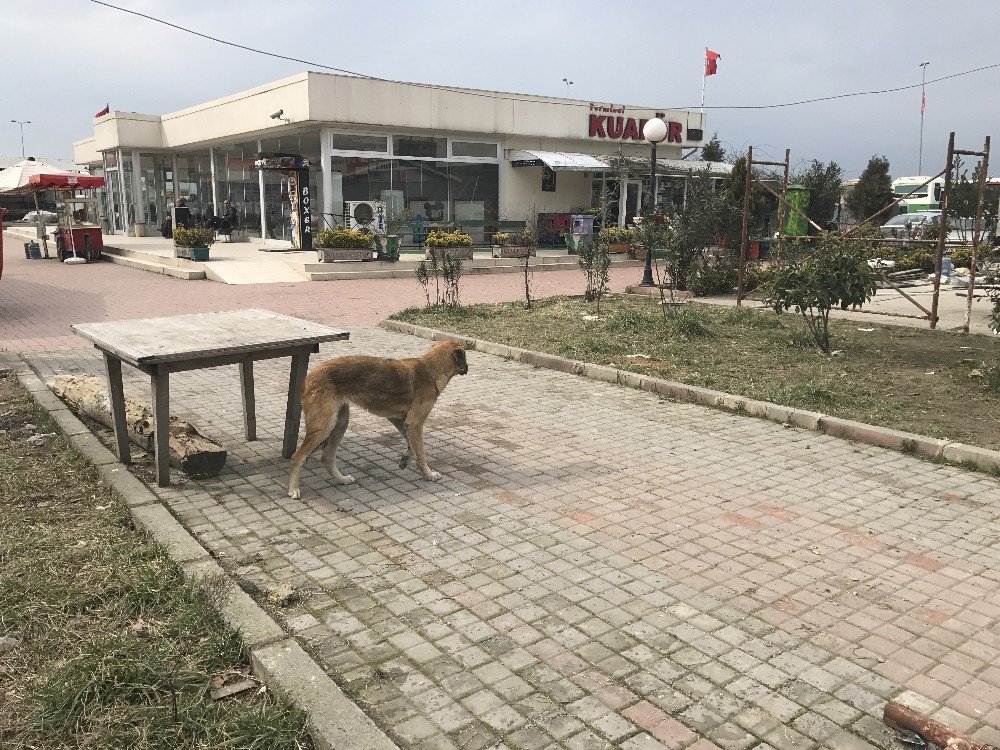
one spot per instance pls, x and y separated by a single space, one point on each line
621 52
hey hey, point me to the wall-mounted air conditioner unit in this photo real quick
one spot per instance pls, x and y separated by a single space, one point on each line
366 215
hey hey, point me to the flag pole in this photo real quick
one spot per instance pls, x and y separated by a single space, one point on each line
704 77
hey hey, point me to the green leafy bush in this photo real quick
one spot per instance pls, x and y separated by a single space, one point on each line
342 237
836 275
715 277
922 260
439 238
500 238
194 237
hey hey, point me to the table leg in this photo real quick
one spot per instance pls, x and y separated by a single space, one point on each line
249 401
161 413
116 395
300 364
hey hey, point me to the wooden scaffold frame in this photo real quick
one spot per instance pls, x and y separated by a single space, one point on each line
784 205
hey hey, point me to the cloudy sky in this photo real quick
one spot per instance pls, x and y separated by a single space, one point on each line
647 53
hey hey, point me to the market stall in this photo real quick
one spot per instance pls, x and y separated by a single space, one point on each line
34 177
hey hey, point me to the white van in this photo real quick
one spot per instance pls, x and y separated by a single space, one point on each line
928 198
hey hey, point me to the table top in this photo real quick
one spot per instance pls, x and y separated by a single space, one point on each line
177 338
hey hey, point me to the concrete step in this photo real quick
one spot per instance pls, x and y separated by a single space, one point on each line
179 268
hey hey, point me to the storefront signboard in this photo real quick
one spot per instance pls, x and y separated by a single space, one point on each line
611 122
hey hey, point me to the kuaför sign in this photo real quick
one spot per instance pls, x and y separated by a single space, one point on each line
616 126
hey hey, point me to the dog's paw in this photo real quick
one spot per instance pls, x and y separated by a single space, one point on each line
433 476
404 460
295 494
345 479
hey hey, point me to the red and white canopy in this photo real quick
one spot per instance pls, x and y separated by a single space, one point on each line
31 176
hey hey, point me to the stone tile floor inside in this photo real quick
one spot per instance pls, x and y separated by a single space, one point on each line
600 568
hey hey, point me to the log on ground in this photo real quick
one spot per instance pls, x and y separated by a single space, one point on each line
191 452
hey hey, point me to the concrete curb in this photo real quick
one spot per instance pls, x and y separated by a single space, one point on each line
885 437
334 720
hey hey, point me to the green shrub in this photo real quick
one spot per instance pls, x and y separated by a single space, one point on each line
715 278
614 235
342 237
194 237
438 238
500 238
836 275
757 276
922 260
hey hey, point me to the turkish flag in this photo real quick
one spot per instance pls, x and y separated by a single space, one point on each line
711 62
106 110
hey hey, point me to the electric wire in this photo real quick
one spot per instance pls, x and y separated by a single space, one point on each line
498 95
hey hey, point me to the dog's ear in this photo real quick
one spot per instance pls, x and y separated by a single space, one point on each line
460 362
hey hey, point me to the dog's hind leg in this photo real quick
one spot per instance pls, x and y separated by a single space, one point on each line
400 425
318 427
333 442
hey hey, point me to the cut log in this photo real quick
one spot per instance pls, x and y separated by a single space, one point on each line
902 719
191 452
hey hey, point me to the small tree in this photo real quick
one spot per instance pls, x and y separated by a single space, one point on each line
713 151
837 274
873 192
595 261
825 186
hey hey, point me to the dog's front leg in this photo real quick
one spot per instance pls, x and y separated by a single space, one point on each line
415 433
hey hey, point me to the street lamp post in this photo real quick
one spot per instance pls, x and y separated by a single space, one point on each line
568 84
654 131
22 123
923 103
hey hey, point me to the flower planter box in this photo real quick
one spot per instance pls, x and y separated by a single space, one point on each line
513 251
460 253
191 253
620 248
331 254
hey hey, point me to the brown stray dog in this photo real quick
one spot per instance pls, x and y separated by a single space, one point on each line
401 390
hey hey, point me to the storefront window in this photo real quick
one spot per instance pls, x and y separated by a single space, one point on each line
194 183
236 180
474 149
378 144
474 197
421 146
113 185
156 188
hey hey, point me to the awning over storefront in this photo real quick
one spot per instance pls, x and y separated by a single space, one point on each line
557 160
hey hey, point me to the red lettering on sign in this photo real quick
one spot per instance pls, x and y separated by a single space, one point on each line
615 127
597 126
676 132
631 131
642 124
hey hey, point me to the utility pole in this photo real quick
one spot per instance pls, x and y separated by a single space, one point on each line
22 123
923 105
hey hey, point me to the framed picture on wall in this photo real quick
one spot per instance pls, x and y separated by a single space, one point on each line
548 180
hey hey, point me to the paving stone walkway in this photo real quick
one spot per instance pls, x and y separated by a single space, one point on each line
603 569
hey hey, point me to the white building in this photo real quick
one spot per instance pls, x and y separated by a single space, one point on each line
450 155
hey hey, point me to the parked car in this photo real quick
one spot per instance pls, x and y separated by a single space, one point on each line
913 225
48 217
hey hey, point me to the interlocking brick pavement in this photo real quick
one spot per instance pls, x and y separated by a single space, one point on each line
602 568
39 299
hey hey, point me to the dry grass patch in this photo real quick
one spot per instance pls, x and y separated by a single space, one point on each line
934 383
105 645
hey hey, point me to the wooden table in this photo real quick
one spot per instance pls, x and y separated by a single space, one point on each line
160 346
